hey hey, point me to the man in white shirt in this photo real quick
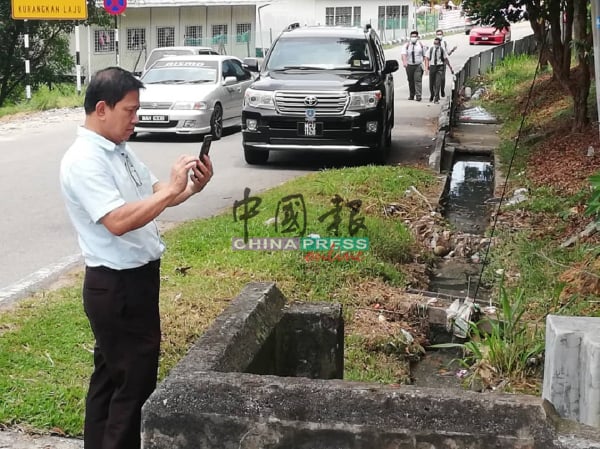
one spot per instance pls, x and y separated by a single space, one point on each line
113 200
440 34
412 54
436 61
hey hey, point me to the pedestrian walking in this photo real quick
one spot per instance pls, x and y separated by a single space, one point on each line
436 60
113 199
440 34
413 54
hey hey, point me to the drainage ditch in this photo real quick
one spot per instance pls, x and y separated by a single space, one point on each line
469 165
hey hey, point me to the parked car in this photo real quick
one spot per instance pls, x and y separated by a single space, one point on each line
192 95
489 34
161 52
320 88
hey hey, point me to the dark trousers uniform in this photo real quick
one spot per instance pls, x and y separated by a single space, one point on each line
122 307
436 73
414 73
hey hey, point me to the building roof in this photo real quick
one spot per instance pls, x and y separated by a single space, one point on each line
178 3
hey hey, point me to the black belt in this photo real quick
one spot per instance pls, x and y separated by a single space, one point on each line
146 267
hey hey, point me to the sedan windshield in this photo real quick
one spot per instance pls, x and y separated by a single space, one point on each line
167 73
321 52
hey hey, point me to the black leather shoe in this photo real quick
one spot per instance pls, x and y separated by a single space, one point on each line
430 99
411 98
418 98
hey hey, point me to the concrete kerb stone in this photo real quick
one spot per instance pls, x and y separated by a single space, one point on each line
222 394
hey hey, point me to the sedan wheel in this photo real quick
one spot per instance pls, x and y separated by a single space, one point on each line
216 122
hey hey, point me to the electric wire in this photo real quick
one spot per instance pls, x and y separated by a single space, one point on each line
512 158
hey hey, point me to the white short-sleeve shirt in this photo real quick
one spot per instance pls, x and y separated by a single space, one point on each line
415 52
96 177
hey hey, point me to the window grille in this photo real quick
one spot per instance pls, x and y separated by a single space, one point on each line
242 32
165 36
219 34
136 38
104 41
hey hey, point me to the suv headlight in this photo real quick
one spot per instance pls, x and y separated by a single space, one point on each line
364 100
261 99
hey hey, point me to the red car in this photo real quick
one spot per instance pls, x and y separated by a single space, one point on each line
488 34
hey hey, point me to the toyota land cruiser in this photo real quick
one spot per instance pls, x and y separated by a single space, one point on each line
320 88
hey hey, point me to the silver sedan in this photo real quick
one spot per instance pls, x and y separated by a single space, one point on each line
192 95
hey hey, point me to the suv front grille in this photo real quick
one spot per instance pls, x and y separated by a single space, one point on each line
324 103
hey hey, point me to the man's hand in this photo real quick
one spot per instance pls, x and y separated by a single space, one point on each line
202 172
179 173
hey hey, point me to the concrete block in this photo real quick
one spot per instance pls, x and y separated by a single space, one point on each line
572 367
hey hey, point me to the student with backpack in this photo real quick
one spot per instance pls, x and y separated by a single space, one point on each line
436 60
413 56
440 34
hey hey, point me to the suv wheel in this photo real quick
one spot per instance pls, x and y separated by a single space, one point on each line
383 149
216 122
255 157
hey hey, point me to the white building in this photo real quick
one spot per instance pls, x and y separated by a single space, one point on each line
226 25
393 19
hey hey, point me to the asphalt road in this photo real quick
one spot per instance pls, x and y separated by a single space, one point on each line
37 240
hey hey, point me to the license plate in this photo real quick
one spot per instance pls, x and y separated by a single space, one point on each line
154 118
484 38
310 128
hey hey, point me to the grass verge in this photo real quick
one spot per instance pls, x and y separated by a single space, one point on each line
46 343
60 96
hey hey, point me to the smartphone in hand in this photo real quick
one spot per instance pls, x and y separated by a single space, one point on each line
205 146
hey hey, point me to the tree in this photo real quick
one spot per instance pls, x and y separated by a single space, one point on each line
48 51
563 29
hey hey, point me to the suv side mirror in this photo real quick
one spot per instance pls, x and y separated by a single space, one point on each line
251 64
390 66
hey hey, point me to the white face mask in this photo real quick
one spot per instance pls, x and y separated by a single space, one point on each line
413 39
440 36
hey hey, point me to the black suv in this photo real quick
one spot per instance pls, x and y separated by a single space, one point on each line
320 88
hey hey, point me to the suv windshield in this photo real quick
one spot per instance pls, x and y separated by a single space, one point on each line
320 52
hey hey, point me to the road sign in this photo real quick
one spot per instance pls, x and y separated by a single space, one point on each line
115 7
49 9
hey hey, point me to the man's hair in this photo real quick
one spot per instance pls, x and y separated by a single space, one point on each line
439 31
414 33
109 85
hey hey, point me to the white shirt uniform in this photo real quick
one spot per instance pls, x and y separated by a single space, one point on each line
415 52
96 177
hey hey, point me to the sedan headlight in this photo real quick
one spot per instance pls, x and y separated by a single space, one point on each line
260 99
190 105
364 100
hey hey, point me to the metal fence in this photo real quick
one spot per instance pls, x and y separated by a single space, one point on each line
484 62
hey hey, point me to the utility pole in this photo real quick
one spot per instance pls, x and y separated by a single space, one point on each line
596 36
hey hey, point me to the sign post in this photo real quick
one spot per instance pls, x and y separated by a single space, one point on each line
44 10
115 8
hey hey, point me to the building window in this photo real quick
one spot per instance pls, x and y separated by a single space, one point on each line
381 17
343 16
356 18
219 34
104 41
136 38
329 16
393 17
242 32
165 36
193 35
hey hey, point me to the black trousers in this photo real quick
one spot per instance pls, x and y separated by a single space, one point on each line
414 74
436 74
122 307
